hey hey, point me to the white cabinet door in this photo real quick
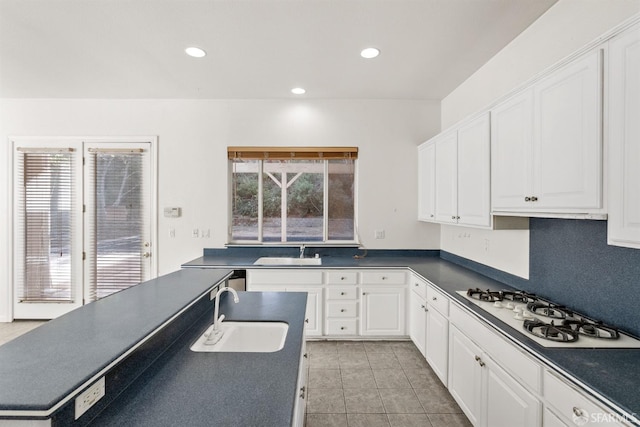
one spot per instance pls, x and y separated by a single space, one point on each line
624 139
426 181
474 192
314 315
301 389
417 320
446 178
511 152
465 375
437 343
507 402
382 311
567 137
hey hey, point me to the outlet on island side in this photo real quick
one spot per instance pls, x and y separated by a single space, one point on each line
89 397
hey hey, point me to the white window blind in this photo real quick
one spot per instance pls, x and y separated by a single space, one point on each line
45 217
115 221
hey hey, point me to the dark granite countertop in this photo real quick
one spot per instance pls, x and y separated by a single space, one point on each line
613 374
220 389
42 368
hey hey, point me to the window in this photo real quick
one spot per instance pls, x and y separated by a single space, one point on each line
286 194
82 228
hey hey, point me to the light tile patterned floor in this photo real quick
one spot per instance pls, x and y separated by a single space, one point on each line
376 383
9 331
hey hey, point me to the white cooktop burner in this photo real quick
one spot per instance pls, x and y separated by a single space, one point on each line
515 313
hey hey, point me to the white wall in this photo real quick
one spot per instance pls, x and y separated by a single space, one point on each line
563 29
193 136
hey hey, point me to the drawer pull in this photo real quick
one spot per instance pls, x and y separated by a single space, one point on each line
435 298
342 328
527 199
417 284
342 278
306 320
305 355
534 199
343 293
479 360
422 306
384 277
302 390
342 310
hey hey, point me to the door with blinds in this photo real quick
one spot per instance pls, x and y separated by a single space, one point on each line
82 223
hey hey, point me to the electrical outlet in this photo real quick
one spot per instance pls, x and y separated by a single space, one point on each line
89 397
195 233
205 233
379 234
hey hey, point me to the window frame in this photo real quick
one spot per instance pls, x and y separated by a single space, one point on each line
260 154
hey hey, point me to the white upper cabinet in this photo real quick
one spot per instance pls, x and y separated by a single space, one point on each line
446 178
474 174
624 139
547 144
511 151
454 174
426 182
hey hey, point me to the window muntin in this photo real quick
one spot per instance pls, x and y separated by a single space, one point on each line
292 200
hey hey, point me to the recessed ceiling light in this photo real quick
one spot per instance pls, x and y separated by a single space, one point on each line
370 52
196 52
298 91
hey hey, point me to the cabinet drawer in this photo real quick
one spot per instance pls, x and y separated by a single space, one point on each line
342 327
437 300
284 277
342 277
384 277
342 293
418 286
342 309
570 402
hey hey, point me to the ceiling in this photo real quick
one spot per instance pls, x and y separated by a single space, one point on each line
256 48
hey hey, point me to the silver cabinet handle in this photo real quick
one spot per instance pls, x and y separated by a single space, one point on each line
306 320
342 278
527 199
342 293
302 390
146 254
534 199
305 355
342 328
479 360
342 310
453 217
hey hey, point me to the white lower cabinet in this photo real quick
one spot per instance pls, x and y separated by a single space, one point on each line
437 343
572 407
382 311
314 308
301 388
486 393
418 321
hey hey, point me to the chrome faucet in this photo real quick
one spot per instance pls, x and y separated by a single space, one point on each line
302 248
216 333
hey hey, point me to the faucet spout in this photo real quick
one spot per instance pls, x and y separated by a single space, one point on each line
302 248
216 333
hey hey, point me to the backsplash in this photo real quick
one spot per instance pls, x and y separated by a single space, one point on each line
571 264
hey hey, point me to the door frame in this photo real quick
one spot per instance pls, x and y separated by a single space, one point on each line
14 141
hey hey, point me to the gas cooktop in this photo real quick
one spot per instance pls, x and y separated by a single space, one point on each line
549 324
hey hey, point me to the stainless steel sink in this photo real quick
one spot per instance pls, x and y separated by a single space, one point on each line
287 261
245 337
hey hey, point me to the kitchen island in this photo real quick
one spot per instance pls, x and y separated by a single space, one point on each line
138 341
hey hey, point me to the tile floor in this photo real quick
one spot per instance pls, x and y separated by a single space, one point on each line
9 331
375 383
